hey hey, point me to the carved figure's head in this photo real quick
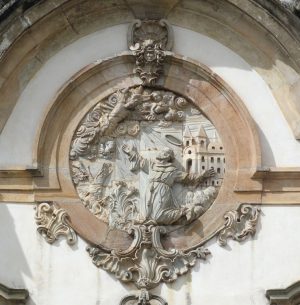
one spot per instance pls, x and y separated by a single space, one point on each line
166 155
149 50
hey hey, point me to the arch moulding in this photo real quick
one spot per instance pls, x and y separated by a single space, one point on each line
185 77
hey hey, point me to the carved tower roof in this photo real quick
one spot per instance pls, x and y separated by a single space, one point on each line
201 132
187 132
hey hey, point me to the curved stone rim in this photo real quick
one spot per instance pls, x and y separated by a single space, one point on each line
276 27
55 141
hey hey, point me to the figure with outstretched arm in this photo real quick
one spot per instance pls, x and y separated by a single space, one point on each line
160 206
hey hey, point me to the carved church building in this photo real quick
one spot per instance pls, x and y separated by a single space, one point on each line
149 152
201 153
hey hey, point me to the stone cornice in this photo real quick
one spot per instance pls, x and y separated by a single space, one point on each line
13 296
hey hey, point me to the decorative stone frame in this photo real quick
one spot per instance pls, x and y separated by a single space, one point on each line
183 76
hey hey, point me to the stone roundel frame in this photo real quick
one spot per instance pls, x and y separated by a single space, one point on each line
183 76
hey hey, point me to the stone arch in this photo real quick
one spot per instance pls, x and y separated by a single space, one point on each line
182 76
52 27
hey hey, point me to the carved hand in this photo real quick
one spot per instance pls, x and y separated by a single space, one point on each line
208 173
126 149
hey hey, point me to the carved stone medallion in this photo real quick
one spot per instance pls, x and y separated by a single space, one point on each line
145 161
146 157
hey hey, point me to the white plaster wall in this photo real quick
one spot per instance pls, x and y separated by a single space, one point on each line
238 274
279 148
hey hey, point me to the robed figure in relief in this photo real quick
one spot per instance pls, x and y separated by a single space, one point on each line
160 205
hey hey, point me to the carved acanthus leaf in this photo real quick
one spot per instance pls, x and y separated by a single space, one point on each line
52 222
239 224
146 263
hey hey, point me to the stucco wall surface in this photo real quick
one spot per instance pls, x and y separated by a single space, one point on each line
237 274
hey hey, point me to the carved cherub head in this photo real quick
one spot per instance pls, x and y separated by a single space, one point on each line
149 50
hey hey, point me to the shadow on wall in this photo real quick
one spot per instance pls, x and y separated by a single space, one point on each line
13 263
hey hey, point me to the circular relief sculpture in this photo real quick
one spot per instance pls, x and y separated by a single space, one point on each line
145 161
146 157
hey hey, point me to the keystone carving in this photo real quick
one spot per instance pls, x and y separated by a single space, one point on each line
146 263
149 40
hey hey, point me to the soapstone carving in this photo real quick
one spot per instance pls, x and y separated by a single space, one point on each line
146 162
149 40
239 224
52 222
160 205
143 161
130 167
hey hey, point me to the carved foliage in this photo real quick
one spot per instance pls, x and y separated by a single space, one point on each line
239 224
53 222
146 263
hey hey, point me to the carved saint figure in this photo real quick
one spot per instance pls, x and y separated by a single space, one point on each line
160 205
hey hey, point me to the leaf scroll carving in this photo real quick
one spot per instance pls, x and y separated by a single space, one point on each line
146 263
239 224
52 222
